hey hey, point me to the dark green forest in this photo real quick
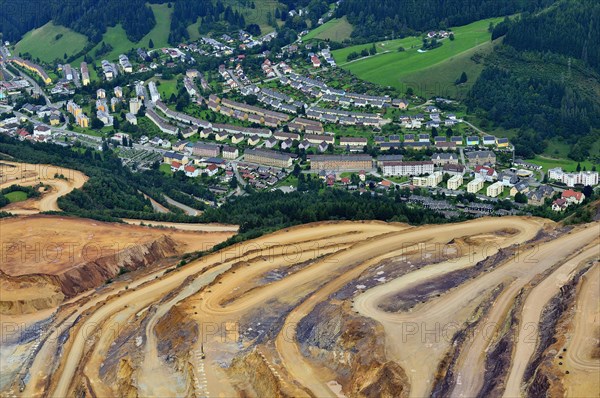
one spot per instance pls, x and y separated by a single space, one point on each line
88 17
404 17
265 212
570 28
112 190
533 93
544 81
211 15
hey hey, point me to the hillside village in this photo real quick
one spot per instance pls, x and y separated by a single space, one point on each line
263 121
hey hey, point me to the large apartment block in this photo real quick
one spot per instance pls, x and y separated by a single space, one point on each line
340 162
481 157
85 74
395 168
268 158
206 150
455 182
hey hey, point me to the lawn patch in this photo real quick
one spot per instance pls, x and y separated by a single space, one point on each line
337 29
50 42
16 196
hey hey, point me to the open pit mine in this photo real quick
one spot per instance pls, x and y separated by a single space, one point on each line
490 307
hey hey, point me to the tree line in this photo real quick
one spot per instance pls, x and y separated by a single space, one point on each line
88 17
399 18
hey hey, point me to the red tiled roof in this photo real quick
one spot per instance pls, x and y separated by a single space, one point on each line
569 193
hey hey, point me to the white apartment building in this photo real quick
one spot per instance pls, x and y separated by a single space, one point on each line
475 185
395 168
455 182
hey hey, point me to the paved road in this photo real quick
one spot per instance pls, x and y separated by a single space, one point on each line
187 209
36 88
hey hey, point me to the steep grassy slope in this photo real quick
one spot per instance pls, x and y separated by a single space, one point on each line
337 29
391 67
50 42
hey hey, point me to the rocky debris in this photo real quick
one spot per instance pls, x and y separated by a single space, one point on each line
499 354
408 298
28 293
256 379
353 348
177 333
445 377
80 278
541 377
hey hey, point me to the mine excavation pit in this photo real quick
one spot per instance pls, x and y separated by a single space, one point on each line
304 323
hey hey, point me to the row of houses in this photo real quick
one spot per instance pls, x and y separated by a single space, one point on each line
181 162
274 99
344 117
306 125
567 198
288 143
246 131
161 123
248 112
182 117
236 138
35 68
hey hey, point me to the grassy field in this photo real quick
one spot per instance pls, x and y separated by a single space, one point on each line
16 196
193 30
166 88
160 33
566 164
438 80
42 43
441 66
258 15
335 30
165 169
117 38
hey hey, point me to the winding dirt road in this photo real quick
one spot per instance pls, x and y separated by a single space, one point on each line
32 174
535 303
582 357
418 339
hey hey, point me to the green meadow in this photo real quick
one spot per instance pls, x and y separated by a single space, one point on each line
437 67
50 42
117 38
335 30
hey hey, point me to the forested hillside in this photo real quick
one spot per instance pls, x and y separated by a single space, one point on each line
571 28
545 80
403 17
211 14
89 17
